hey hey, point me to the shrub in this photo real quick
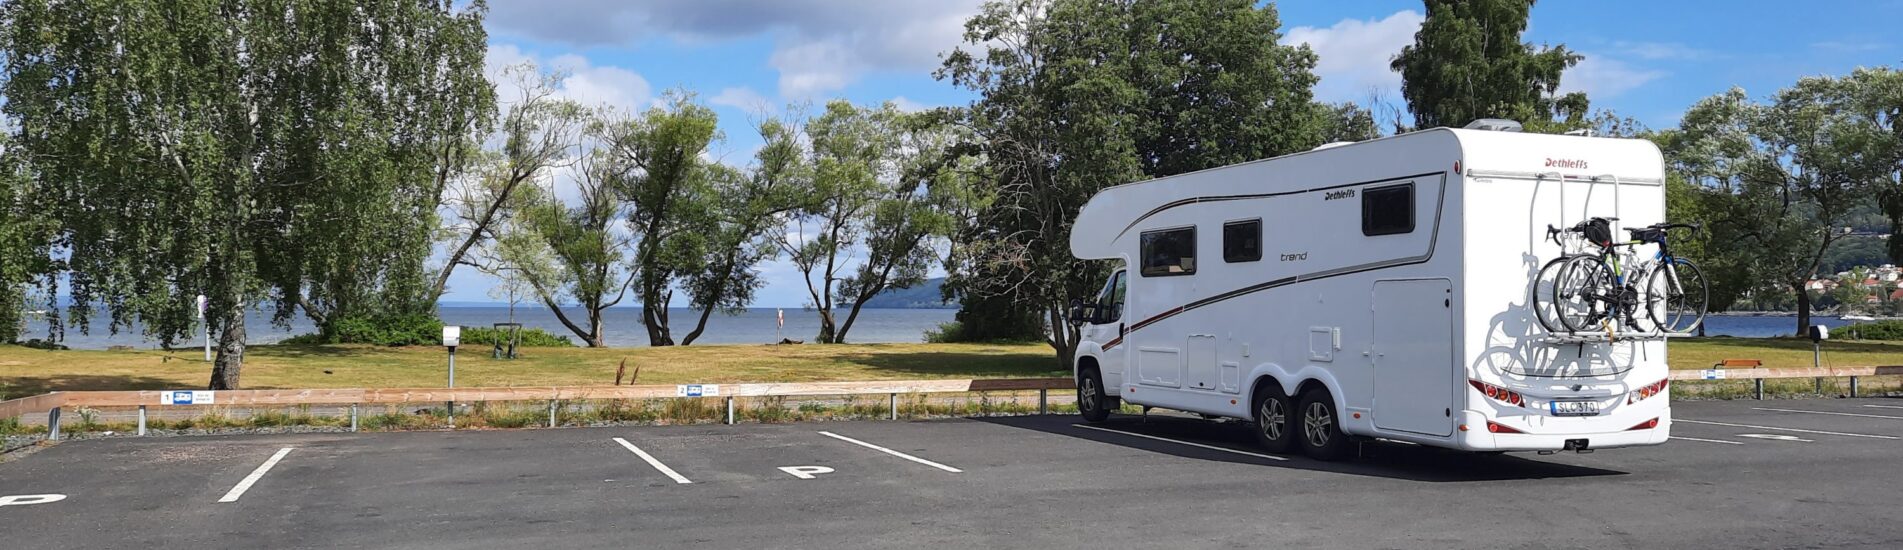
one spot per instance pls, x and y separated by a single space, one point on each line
948 332
411 329
1880 330
531 338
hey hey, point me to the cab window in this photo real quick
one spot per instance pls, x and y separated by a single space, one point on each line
1110 300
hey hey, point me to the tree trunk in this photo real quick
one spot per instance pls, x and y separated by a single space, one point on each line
231 340
1803 308
1063 339
826 330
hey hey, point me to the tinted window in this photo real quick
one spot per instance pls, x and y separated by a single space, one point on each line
1242 241
1110 301
1387 210
1169 252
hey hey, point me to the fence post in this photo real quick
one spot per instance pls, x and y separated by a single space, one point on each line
141 419
1043 401
729 410
353 417
1853 386
52 424
1760 384
894 400
1819 385
551 413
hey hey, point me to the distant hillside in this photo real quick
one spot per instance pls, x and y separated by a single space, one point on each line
924 296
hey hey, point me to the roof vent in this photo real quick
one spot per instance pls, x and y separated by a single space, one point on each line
1494 124
1332 145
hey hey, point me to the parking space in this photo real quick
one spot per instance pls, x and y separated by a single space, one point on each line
1754 472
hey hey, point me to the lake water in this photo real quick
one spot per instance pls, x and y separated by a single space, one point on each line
756 326
623 326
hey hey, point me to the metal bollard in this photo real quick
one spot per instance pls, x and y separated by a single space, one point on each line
1760 384
141 419
1853 386
52 424
551 413
894 400
1819 385
1043 401
353 417
730 410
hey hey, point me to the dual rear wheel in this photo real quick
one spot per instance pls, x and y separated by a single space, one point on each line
1309 422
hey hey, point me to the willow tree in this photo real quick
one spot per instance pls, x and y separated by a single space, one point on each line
754 204
654 165
253 151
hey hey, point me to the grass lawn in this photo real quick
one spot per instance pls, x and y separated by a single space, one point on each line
26 371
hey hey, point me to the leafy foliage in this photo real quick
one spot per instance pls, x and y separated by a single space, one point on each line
1467 63
252 151
1879 330
530 337
406 329
653 163
1079 95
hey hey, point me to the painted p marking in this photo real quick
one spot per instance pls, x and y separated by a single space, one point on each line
23 500
806 472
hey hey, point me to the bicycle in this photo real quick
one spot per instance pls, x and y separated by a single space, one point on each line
1594 291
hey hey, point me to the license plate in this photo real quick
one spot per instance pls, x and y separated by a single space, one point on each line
1573 408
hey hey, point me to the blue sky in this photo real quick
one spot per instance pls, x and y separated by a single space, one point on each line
1648 60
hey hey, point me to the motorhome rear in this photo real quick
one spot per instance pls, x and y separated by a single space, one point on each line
1377 289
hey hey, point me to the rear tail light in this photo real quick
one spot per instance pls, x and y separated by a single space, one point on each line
1646 425
1499 428
1649 390
1498 393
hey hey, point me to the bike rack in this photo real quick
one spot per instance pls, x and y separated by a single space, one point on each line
1593 337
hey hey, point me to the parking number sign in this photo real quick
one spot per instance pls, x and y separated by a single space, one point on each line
185 398
697 390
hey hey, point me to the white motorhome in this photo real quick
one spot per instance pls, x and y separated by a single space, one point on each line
1377 289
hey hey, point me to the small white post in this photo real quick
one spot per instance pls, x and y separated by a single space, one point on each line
353 417
551 413
730 410
52 424
894 398
141 419
1043 401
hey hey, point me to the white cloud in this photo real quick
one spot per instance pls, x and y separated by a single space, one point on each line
1663 51
1849 45
1354 54
586 83
906 105
742 98
820 46
1603 77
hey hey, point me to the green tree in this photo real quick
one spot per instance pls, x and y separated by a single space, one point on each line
252 151
1467 63
656 168
25 238
1790 172
573 253
538 135
852 149
1079 95
916 211
1878 105
755 205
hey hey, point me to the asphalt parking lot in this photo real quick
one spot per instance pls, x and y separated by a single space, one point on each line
1738 474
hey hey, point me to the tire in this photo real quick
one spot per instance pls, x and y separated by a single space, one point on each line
1321 427
1274 419
1680 310
1091 401
1543 295
1581 294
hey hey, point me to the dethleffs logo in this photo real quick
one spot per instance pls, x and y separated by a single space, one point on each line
1566 163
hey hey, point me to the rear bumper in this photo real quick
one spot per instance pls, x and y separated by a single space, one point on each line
1477 438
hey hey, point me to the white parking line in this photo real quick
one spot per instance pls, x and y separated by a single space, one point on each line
1708 440
1189 443
1829 413
245 484
678 478
1884 406
1785 429
891 452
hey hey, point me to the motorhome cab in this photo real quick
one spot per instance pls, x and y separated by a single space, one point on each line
1377 289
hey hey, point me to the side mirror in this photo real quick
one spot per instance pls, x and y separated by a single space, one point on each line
1076 315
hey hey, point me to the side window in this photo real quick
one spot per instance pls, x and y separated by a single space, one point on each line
1111 299
1387 210
1169 252
1242 241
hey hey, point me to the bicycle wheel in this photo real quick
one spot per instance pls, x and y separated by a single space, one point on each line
1542 301
1583 293
1684 304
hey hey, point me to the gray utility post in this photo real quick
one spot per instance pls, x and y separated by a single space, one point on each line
452 335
